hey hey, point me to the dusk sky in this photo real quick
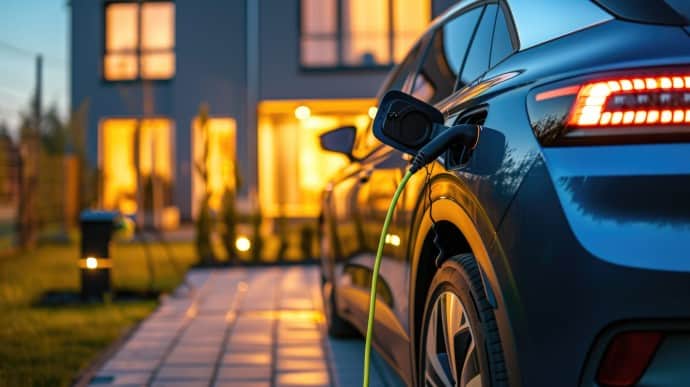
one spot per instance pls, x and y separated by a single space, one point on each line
28 27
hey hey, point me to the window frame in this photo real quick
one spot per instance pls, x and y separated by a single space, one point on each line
429 36
508 16
137 51
340 64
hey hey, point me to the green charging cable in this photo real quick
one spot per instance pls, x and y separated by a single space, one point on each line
375 276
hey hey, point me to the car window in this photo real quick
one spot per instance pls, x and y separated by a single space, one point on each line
501 45
439 71
399 75
366 141
477 61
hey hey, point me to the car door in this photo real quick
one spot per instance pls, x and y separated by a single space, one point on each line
348 202
435 79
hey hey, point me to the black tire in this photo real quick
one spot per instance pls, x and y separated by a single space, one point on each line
460 277
338 327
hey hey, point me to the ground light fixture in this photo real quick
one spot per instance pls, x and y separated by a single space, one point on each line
97 228
398 116
91 263
243 244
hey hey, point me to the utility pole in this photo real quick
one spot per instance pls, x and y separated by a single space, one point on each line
29 158
39 91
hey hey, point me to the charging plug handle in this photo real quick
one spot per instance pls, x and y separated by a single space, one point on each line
466 134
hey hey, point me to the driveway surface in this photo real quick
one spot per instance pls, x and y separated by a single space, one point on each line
244 327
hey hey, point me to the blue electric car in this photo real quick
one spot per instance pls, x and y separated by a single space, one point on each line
555 252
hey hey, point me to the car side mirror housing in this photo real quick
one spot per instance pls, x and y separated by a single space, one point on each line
406 123
340 140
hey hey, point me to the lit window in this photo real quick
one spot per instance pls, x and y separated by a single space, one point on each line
360 33
118 157
139 41
293 169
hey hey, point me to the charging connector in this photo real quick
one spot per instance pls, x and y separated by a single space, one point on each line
465 134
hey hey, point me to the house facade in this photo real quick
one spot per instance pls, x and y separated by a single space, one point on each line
192 97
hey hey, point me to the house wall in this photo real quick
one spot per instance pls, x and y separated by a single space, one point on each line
211 66
281 76
210 48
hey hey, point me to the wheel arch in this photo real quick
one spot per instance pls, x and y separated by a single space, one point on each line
452 205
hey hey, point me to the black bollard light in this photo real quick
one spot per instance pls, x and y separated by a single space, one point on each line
97 229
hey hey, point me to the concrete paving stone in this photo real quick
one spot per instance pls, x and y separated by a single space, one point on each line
260 329
124 378
201 329
178 372
246 359
209 319
300 365
251 339
118 364
141 345
179 383
237 383
297 304
194 341
249 348
301 352
313 378
244 373
298 325
140 354
190 358
204 334
299 336
196 351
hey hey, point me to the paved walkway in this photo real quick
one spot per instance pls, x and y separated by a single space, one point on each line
244 328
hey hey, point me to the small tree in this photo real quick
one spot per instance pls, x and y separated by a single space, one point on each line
204 220
228 217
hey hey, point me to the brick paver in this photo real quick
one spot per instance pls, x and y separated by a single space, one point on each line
243 327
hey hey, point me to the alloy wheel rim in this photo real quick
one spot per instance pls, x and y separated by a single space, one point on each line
451 357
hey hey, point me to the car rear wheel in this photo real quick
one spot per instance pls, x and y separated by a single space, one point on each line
460 345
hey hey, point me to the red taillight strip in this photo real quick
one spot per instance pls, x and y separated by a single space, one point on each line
589 109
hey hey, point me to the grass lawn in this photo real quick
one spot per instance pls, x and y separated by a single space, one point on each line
47 346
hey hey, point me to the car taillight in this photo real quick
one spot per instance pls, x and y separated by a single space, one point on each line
627 357
637 108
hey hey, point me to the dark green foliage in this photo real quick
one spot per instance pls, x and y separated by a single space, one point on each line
228 217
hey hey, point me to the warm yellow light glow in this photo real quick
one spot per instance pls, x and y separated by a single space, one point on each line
157 25
157 37
372 112
243 244
392 239
91 263
220 135
157 65
120 66
365 27
118 161
293 169
157 40
302 112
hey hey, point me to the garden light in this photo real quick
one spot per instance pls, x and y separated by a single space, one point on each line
97 229
91 263
243 244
